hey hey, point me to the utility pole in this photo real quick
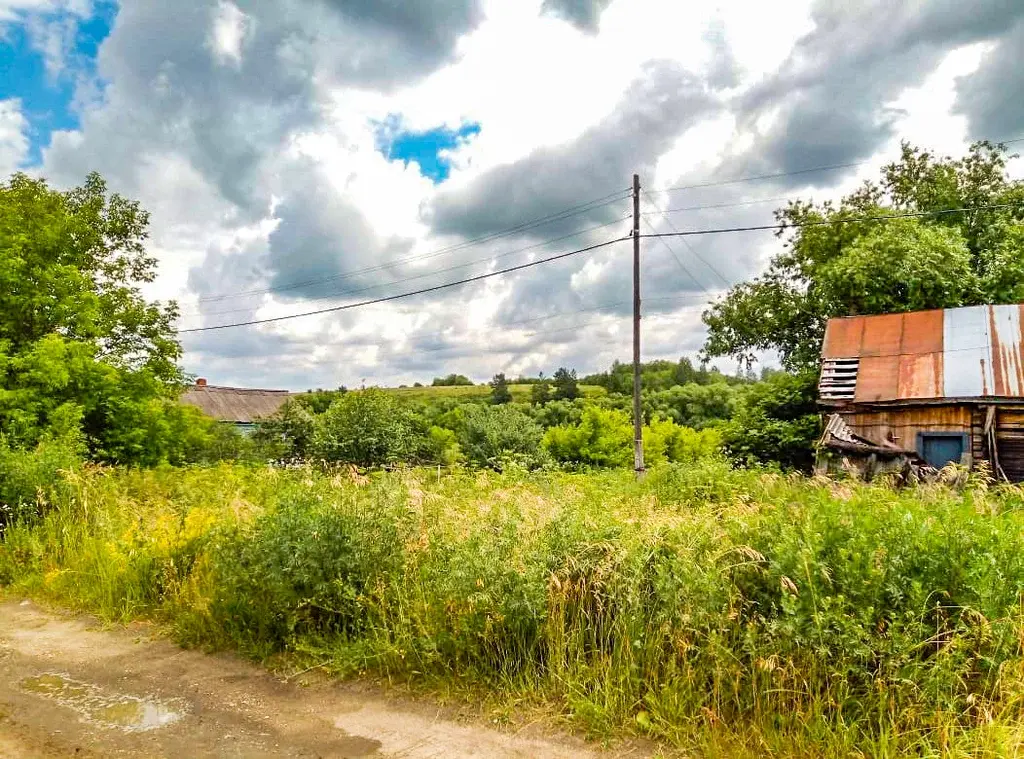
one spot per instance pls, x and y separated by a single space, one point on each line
638 422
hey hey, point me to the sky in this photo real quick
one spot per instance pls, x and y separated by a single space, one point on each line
300 155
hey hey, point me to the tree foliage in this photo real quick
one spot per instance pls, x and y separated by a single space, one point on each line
856 266
566 388
81 350
500 394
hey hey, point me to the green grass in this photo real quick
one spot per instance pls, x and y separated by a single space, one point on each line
727 613
520 393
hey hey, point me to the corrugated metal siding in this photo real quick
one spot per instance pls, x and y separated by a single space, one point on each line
968 367
972 352
920 375
877 378
1007 342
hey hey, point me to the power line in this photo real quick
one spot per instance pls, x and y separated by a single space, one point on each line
389 298
435 272
518 229
688 246
711 206
826 222
678 260
798 172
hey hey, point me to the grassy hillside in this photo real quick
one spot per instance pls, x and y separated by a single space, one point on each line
520 393
731 613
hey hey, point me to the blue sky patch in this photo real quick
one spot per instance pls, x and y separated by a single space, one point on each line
47 101
426 149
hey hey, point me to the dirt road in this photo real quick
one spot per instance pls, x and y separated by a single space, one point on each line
68 688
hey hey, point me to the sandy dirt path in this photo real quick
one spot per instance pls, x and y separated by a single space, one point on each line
70 688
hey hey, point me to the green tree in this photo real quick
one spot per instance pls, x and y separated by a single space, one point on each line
500 393
604 437
565 385
776 420
80 348
451 380
540 392
868 267
366 427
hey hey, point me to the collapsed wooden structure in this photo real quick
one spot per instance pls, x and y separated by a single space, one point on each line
925 388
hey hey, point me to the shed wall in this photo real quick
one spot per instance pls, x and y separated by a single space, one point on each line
901 425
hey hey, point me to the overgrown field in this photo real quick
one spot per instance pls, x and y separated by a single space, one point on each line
520 392
731 613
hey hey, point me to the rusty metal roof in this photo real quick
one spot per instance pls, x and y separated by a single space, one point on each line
235 404
972 352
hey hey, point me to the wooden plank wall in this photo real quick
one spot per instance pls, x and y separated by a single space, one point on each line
1010 440
901 425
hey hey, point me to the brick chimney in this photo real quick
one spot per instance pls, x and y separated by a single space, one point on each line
201 382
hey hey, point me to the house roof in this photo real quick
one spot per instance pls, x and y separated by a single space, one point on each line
235 404
963 353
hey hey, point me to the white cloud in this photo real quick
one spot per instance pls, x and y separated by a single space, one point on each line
228 32
13 138
248 129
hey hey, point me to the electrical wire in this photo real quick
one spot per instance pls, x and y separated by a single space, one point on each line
355 291
687 244
388 298
678 260
827 222
518 229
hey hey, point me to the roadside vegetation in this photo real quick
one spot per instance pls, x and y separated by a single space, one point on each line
490 540
735 612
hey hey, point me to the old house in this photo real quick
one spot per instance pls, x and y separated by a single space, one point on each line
239 406
928 387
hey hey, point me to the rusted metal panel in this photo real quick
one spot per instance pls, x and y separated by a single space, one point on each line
843 337
975 352
877 378
1007 343
922 332
882 335
967 365
920 375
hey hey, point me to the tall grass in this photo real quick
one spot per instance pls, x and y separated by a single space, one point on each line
734 613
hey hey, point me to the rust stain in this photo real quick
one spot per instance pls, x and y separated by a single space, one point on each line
878 378
922 332
920 376
997 363
843 337
882 335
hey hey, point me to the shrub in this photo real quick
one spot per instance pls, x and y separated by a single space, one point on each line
31 478
367 428
666 441
490 435
604 437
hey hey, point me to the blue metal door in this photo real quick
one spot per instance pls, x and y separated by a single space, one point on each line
939 450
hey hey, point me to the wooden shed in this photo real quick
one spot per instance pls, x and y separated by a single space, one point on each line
239 406
932 387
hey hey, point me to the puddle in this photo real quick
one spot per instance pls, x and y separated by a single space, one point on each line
101 707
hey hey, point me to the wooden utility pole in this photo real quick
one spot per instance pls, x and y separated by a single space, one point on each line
638 421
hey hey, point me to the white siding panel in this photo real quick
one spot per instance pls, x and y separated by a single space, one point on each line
967 364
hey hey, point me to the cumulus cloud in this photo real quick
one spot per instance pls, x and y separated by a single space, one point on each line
657 108
13 139
248 129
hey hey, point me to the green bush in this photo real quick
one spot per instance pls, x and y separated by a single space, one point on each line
604 437
494 435
30 479
367 428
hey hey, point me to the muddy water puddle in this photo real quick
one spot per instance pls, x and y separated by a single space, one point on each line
103 707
